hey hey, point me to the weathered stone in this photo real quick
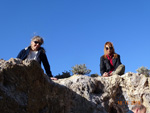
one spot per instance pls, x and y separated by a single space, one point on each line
24 88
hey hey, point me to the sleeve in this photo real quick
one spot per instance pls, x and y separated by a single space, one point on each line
118 61
46 64
102 66
20 55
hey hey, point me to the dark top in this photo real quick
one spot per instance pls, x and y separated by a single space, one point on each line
105 65
41 57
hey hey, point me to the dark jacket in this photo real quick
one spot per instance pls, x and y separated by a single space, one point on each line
41 57
105 64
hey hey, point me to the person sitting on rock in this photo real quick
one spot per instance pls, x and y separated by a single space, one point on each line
36 52
139 109
110 62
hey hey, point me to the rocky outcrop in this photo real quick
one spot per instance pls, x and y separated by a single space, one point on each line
24 88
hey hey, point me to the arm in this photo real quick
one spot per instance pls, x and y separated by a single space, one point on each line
102 66
46 64
22 54
118 62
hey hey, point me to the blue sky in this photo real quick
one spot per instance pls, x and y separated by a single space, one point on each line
75 31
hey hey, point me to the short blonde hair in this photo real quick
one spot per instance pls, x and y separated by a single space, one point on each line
38 38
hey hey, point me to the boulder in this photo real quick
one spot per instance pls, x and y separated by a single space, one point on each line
24 88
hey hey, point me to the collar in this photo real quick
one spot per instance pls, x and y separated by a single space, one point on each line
110 56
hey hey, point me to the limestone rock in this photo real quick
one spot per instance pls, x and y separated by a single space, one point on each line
24 88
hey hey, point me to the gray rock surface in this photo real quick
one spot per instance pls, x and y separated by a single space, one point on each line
24 88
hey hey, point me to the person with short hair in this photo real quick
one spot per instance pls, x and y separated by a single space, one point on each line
36 52
139 109
110 62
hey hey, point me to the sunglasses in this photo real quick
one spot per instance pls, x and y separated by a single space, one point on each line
109 48
36 42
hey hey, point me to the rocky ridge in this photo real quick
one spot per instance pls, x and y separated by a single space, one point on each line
24 88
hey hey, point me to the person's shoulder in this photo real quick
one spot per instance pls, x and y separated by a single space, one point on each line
41 49
24 49
116 55
102 57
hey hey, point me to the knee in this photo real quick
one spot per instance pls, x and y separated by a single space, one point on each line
122 68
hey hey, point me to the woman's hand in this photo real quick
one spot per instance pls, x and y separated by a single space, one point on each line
105 74
53 78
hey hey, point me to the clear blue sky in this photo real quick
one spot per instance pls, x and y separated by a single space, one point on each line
75 31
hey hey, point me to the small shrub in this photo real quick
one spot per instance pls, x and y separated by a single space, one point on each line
80 69
94 75
143 70
65 74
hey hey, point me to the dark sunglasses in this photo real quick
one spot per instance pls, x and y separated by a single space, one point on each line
109 48
36 42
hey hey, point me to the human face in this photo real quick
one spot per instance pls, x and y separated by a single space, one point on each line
35 44
109 49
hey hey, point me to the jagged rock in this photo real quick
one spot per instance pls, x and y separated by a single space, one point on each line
24 88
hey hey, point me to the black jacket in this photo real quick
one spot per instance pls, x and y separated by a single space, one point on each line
105 64
41 57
